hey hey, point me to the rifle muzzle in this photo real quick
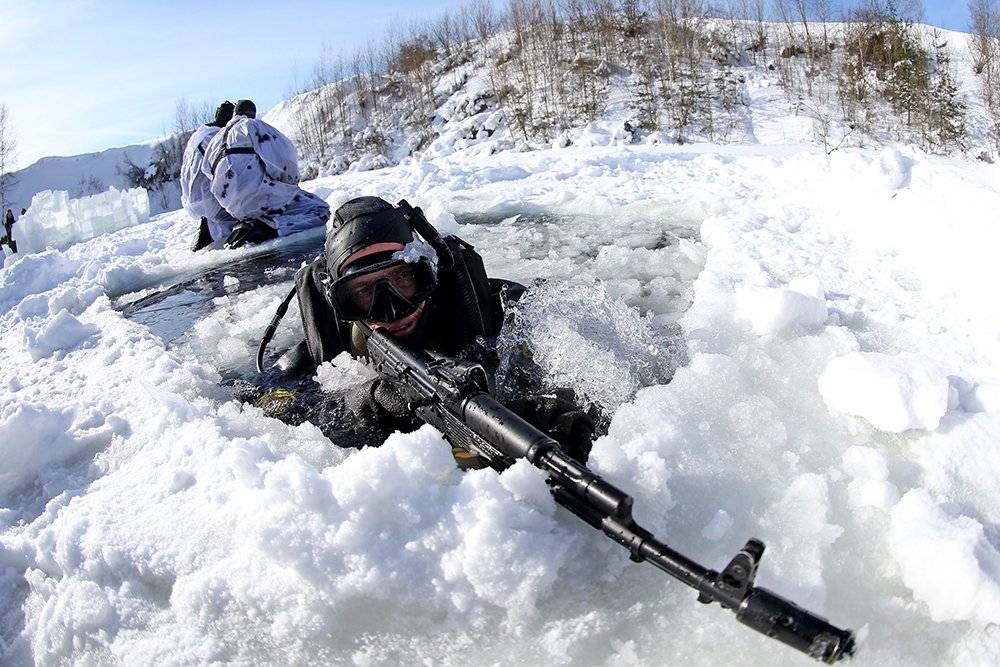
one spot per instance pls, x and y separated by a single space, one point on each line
785 621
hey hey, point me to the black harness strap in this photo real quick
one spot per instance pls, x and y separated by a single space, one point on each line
236 150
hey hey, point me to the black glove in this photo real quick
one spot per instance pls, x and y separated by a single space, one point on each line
390 399
561 420
250 231
379 400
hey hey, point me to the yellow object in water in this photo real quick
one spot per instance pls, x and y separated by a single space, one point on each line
276 401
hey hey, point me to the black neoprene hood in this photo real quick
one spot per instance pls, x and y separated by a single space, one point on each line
362 222
223 114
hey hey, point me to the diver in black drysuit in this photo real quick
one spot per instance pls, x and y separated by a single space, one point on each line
430 292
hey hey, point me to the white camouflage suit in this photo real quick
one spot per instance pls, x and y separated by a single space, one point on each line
254 173
196 193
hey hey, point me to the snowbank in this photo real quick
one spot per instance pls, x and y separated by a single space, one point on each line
947 560
56 221
62 332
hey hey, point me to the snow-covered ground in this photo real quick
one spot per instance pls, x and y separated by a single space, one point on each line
838 397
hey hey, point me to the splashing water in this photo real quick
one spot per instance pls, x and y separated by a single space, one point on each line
580 337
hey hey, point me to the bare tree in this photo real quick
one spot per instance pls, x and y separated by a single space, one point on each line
8 146
984 19
801 10
484 18
443 31
169 154
985 44
754 16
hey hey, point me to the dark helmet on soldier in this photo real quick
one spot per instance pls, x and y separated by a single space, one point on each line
245 108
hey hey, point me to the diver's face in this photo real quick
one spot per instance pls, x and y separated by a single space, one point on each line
405 280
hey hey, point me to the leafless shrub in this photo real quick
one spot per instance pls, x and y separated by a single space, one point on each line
8 148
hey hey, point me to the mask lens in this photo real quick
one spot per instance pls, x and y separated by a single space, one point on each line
384 293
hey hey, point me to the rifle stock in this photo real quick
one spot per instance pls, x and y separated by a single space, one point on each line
452 395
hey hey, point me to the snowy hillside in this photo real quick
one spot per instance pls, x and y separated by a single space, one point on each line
542 86
545 85
838 396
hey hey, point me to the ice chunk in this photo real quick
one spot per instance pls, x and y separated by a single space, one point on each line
982 397
35 437
891 168
893 393
799 307
62 332
441 218
342 372
56 221
979 646
800 536
946 561
580 337
416 250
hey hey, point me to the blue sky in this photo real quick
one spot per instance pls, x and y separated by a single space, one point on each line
85 75
951 14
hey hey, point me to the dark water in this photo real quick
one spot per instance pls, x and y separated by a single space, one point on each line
172 311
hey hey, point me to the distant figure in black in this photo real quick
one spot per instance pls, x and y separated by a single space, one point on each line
8 225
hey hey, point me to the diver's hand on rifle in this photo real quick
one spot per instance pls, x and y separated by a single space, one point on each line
379 400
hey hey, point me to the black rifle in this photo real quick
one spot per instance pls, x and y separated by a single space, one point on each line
452 396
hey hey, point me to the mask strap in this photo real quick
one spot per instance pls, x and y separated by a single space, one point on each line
418 221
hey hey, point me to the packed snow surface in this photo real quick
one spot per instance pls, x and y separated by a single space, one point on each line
56 221
147 518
